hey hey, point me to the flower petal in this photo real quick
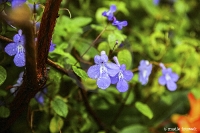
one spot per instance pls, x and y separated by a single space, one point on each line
128 75
174 77
114 79
104 57
16 38
162 80
112 69
143 79
52 47
94 71
171 85
11 49
119 24
104 81
113 8
19 59
97 59
122 86
20 79
16 3
39 97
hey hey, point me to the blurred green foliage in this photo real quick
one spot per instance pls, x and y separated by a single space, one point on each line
167 33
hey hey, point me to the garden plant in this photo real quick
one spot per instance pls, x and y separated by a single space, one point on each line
94 66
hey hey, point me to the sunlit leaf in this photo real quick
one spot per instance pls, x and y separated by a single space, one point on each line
60 107
103 46
144 109
112 40
124 57
81 73
135 129
56 124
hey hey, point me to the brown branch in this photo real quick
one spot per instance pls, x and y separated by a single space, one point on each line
29 87
35 73
45 34
57 67
5 39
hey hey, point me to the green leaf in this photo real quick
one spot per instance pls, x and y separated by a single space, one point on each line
81 73
90 84
103 46
124 57
82 47
144 109
84 21
60 107
56 124
196 92
4 112
70 60
99 16
135 129
3 75
112 40
3 93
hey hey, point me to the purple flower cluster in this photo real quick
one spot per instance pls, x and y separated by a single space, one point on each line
121 77
14 3
156 2
107 73
145 69
17 48
168 78
39 97
109 14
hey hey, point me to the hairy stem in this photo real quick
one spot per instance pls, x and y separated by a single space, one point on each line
45 34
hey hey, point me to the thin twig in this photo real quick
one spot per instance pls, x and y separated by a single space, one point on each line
5 39
92 44
57 67
83 92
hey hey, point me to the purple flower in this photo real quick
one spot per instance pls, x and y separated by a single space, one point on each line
145 69
103 70
168 78
16 3
121 77
156 2
17 48
52 47
109 14
39 97
119 24
19 82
